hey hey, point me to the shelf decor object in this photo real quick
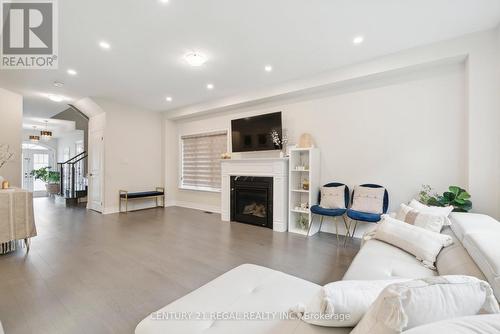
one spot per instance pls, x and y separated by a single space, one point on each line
304 178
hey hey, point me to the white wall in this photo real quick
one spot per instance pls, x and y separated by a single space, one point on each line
400 131
11 114
133 151
68 140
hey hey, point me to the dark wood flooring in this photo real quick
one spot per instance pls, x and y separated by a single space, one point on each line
93 273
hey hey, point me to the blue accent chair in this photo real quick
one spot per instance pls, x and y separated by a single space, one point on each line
358 216
323 212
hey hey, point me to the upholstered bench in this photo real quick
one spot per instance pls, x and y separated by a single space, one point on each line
125 196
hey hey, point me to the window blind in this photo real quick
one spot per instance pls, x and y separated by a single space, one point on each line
201 160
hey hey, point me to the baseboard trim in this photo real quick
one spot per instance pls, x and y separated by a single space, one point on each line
195 206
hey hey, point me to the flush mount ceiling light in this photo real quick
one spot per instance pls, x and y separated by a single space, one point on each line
46 134
104 45
163 1
71 72
358 40
268 68
195 59
210 86
56 98
169 99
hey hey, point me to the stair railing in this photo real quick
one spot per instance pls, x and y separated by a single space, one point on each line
73 180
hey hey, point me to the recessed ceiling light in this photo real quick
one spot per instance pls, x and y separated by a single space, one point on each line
104 45
71 71
268 68
163 1
58 84
210 86
195 58
56 98
358 40
169 99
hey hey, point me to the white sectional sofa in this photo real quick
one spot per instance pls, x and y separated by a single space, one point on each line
251 288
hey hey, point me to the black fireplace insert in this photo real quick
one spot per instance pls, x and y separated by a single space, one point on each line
252 200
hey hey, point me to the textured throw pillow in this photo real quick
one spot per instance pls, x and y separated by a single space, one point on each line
369 200
437 210
430 221
475 324
333 197
343 303
406 305
424 244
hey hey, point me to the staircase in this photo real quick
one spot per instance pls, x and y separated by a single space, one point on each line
73 180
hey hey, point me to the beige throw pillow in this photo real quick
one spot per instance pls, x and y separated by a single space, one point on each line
430 221
369 200
333 197
423 244
406 305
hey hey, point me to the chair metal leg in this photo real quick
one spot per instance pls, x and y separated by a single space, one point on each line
354 230
336 229
321 224
310 225
347 228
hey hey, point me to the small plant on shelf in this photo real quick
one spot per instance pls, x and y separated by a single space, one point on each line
303 222
455 196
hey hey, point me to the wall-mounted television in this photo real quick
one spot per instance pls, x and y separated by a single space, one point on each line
254 133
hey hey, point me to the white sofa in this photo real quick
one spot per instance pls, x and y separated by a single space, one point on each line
251 288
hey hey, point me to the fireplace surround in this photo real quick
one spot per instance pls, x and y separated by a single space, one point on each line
275 168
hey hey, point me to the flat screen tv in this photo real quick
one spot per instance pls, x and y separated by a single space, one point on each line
254 133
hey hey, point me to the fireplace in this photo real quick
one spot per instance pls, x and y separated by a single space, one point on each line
252 200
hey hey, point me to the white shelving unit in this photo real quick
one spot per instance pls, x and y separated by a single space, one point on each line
304 165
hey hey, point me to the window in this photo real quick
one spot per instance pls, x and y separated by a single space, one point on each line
200 155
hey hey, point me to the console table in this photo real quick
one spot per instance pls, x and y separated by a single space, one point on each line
17 220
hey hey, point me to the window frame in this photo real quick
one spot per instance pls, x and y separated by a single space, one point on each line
180 184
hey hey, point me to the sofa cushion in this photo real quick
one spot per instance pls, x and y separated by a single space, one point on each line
486 323
484 248
429 221
455 260
247 288
467 223
379 260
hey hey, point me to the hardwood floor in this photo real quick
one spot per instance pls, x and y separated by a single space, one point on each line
93 273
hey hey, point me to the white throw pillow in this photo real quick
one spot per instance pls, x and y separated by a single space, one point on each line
430 221
424 244
333 197
475 324
437 210
406 305
366 199
343 303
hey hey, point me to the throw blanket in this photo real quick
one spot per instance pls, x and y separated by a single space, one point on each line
17 221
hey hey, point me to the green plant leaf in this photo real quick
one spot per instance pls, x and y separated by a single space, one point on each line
464 195
454 190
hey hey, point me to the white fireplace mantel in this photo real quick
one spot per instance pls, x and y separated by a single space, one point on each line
277 168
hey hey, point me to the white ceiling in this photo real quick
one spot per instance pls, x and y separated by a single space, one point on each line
298 38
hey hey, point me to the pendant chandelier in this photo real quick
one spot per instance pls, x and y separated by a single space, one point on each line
34 138
46 134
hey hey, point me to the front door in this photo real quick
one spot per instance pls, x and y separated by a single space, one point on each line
35 159
96 151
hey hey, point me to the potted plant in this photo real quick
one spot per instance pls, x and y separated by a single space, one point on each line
50 178
455 196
